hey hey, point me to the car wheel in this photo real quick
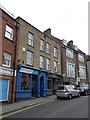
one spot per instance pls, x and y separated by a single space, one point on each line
85 93
70 97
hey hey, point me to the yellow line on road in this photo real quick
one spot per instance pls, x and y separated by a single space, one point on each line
9 114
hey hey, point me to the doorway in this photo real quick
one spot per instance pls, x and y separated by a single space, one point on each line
34 81
41 86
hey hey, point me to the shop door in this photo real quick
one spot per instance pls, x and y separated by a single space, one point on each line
34 85
54 86
4 84
42 86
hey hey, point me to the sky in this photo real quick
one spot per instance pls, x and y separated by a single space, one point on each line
68 19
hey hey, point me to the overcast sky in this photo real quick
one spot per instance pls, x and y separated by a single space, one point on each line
68 19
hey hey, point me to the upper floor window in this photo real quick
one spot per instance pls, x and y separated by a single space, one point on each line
82 72
29 59
81 57
55 52
70 70
41 62
47 64
9 32
6 59
30 38
69 53
55 66
48 48
41 45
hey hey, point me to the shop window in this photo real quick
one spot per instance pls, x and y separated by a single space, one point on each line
25 83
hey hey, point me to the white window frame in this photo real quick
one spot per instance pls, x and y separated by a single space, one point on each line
47 64
42 45
55 66
7 59
9 32
30 38
55 52
41 62
70 70
82 72
47 48
29 59
69 53
81 57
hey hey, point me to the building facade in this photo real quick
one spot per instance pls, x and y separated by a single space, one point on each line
7 56
34 63
88 68
39 62
73 63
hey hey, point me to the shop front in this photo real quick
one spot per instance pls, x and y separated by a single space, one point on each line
30 82
6 78
53 80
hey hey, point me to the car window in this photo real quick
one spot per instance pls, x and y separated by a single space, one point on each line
60 88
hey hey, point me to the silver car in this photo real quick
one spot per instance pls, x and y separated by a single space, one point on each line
67 91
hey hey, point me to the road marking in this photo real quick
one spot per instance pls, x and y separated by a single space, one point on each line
28 107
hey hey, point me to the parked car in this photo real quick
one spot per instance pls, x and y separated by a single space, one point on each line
88 89
84 89
67 91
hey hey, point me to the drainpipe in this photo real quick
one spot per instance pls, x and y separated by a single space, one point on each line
14 65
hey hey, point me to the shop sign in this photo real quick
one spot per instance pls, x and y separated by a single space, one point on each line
6 71
29 71
25 70
35 72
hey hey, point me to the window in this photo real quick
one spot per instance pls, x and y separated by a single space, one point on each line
55 66
25 83
55 52
81 57
48 48
30 38
9 32
82 72
6 59
70 70
47 64
41 45
41 61
29 58
69 53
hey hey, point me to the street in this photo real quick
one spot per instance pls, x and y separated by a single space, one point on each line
75 108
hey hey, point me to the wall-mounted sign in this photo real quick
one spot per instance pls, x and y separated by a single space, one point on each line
29 71
6 71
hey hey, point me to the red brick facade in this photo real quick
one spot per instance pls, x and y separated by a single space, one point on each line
9 47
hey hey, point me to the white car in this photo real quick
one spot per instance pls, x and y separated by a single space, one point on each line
67 91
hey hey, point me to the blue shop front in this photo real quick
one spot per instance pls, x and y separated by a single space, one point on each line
30 82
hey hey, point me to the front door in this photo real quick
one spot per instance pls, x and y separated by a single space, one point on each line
34 79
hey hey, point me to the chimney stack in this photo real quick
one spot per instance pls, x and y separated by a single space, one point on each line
47 32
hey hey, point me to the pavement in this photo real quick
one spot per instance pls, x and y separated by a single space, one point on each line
11 107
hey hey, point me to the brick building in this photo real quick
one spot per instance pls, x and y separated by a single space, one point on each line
7 55
39 62
88 68
73 63
34 63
